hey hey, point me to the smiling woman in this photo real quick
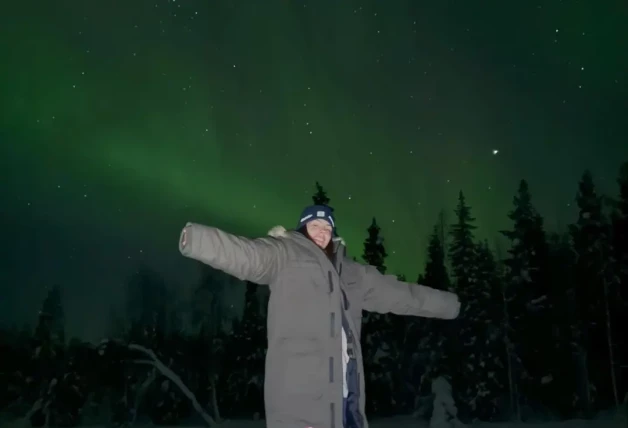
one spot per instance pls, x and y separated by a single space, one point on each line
317 223
314 374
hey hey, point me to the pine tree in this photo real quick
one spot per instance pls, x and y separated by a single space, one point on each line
481 378
529 298
485 350
378 348
49 338
49 341
620 247
246 352
562 277
620 229
462 249
436 275
150 310
51 326
434 347
320 197
147 303
528 253
207 310
463 256
374 251
591 243
254 332
207 328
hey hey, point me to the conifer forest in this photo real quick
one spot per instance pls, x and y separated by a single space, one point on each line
541 333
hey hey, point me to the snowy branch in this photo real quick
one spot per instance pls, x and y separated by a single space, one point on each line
166 371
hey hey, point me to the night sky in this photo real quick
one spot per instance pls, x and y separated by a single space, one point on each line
122 120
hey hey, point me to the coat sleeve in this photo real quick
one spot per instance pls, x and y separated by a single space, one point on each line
256 260
386 294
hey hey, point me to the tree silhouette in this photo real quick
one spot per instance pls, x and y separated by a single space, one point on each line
320 197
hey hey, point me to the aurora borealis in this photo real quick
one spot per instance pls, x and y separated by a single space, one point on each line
123 120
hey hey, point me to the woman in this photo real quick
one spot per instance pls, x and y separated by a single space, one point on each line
314 373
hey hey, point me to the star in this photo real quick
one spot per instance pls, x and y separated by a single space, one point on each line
216 152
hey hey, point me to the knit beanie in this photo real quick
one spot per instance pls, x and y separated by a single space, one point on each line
316 212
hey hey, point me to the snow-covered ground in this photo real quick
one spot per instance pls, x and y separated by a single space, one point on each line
409 422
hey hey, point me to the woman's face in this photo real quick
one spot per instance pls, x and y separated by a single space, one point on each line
320 232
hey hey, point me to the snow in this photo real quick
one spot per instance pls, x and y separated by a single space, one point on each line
441 390
401 422
409 422
445 413
547 379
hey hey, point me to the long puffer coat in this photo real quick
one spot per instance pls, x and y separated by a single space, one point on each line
312 298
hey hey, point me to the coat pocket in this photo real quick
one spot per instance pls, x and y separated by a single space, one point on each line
303 368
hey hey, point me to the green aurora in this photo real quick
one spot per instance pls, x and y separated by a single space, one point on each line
123 121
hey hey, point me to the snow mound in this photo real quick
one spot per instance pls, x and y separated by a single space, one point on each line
445 413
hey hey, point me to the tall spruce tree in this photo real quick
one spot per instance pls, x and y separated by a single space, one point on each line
52 309
255 338
49 357
374 251
404 344
462 248
148 301
620 247
486 355
206 327
562 277
207 312
377 332
435 274
320 197
50 330
433 348
529 299
246 349
527 259
591 241
478 384
463 257
620 230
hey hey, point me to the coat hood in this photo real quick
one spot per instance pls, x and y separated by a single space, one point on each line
282 232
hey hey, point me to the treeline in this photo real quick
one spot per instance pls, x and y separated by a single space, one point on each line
161 350
540 333
542 327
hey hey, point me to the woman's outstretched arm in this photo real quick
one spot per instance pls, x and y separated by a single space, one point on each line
256 260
